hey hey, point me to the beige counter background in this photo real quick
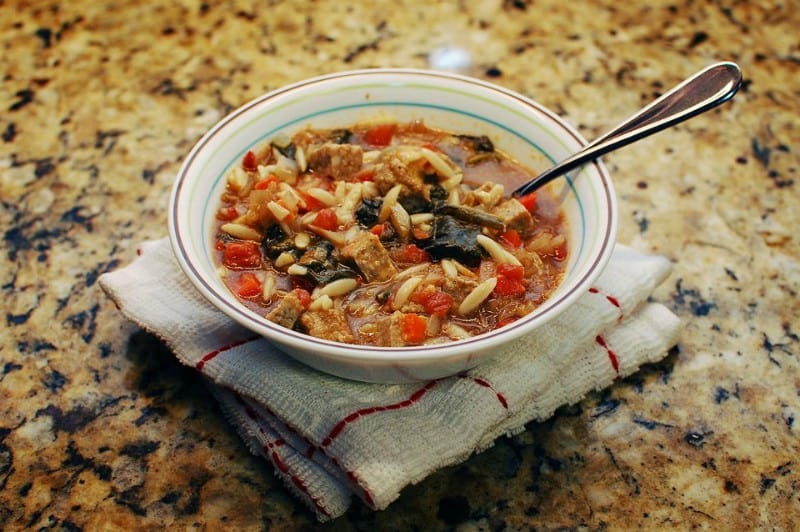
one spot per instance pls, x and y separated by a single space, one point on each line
99 102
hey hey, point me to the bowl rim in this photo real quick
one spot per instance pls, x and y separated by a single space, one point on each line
370 353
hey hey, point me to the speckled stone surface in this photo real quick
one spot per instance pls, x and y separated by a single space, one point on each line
101 429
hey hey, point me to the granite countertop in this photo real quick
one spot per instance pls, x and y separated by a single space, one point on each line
101 428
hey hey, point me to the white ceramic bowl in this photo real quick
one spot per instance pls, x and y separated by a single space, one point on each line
522 128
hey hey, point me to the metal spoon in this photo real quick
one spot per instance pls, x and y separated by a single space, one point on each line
699 93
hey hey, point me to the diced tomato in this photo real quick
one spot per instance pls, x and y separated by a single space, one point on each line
264 183
303 295
413 254
511 238
248 285
412 327
219 245
380 135
249 161
327 219
368 174
434 301
226 214
508 287
509 280
420 234
240 255
377 230
312 203
528 201
511 271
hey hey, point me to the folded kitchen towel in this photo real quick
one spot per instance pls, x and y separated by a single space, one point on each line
329 438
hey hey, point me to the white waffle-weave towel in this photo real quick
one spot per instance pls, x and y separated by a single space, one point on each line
329 438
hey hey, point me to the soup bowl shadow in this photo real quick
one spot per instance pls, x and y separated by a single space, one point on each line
520 127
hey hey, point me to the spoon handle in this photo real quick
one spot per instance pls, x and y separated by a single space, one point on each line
697 94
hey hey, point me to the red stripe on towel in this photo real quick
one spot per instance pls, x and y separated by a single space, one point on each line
611 299
354 480
486 384
271 444
366 495
351 476
349 418
612 356
208 356
297 481
269 450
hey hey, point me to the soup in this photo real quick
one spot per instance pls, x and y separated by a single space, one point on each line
386 234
